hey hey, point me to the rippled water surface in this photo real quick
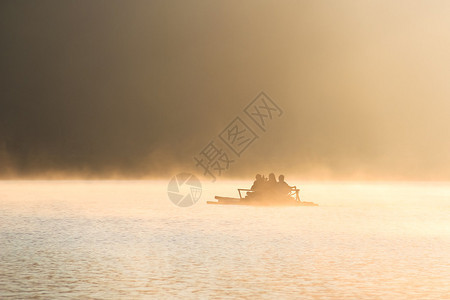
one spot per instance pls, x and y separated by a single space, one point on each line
125 239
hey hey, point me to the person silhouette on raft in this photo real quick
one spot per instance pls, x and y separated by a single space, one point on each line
270 188
258 184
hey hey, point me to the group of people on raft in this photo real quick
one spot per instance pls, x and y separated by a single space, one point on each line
269 187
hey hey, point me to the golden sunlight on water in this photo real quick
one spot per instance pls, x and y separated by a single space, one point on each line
125 239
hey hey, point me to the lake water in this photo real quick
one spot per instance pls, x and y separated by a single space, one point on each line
126 240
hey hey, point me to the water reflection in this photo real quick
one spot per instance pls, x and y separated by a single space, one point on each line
126 240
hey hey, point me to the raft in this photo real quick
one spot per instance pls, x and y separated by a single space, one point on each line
254 199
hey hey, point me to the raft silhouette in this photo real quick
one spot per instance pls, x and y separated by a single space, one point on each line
264 198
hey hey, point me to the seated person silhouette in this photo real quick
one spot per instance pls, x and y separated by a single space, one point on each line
258 184
282 187
270 187
272 182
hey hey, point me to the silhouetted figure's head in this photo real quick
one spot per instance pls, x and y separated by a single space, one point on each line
281 178
259 182
272 177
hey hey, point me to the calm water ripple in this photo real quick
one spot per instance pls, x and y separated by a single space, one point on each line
116 240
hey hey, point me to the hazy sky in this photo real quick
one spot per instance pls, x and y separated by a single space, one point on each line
137 88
